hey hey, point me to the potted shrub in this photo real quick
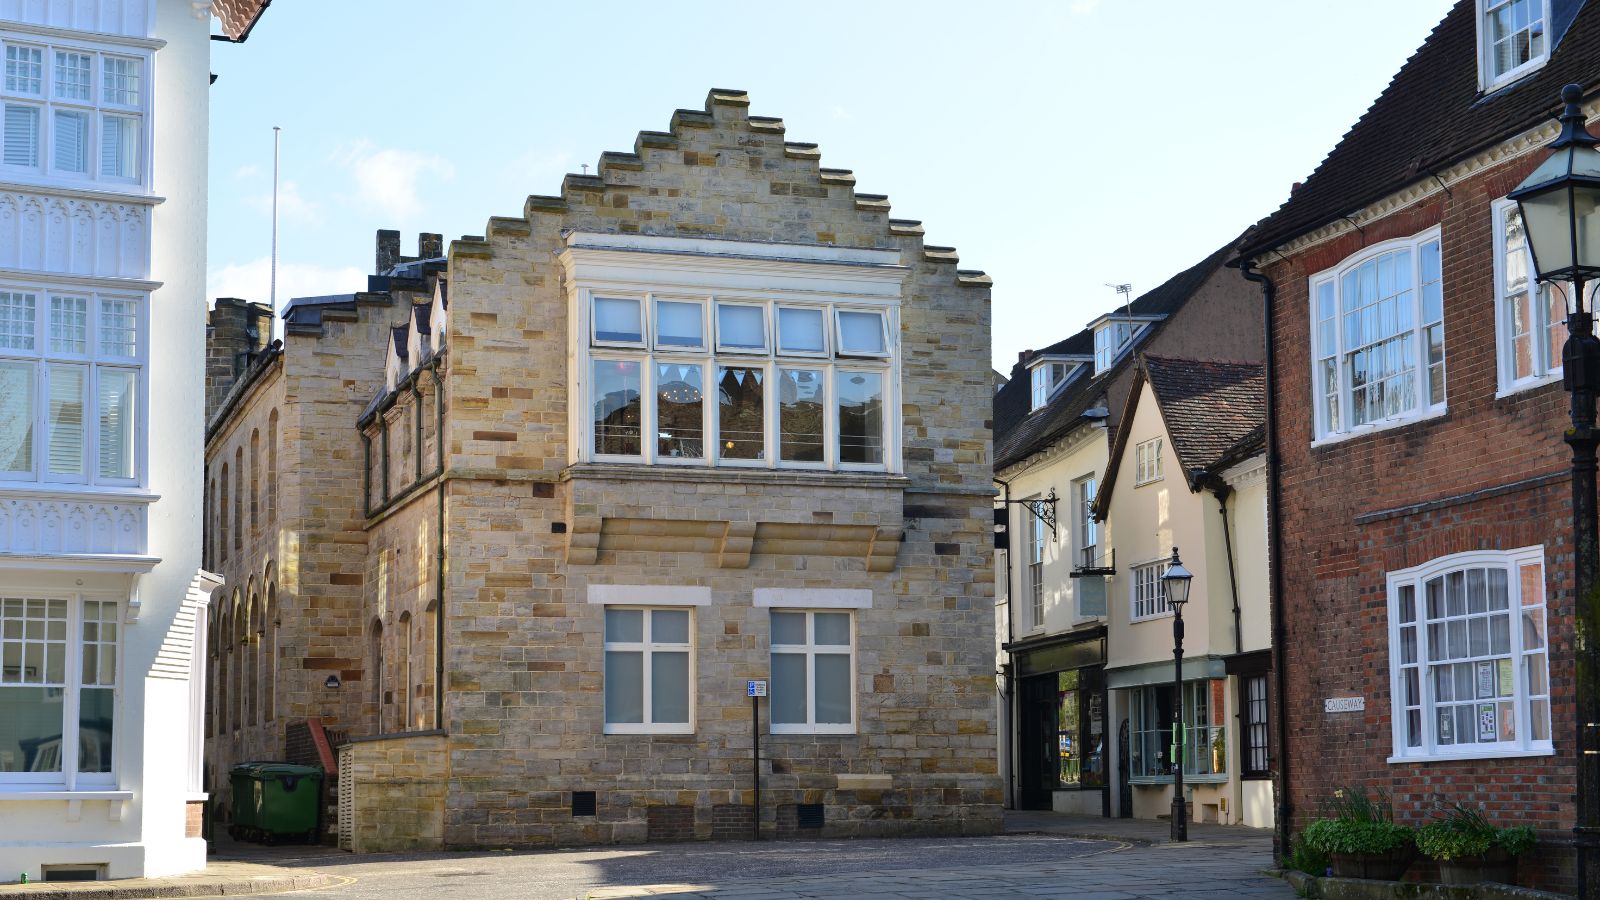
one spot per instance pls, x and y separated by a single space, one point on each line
1471 850
1360 838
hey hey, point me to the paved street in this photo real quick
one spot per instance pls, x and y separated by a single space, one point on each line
1013 865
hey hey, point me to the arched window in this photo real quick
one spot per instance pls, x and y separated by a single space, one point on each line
222 518
236 670
431 641
250 648
211 676
272 468
255 483
238 499
269 668
224 651
407 683
375 668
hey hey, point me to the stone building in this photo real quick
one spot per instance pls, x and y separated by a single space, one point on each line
102 296
521 560
1420 499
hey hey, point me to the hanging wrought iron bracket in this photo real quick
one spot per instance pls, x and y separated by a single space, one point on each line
1043 509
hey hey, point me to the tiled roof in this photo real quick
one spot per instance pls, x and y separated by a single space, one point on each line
1431 116
1208 407
238 16
1019 434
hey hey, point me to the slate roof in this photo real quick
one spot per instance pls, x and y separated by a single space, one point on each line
1432 115
1214 414
1018 434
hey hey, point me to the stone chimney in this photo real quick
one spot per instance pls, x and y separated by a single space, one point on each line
430 246
388 250
237 331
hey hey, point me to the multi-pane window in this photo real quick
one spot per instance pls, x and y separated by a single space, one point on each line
813 672
1256 759
1469 656
1043 381
59 119
1153 749
1088 532
70 368
1109 340
649 686
1149 595
1147 461
740 383
58 686
1379 337
1033 552
1532 316
1513 37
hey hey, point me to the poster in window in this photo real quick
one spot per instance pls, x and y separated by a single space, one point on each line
1486 679
1486 723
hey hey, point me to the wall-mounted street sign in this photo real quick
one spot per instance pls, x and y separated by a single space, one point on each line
755 688
1344 704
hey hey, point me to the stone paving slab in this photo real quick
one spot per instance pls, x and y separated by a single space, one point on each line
229 878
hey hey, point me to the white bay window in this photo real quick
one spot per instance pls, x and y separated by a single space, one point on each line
71 368
771 384
1531 317
58 688
62 121
1468 656
1378 337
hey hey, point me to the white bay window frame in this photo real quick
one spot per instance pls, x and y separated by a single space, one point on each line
69 690
1332 404
102 104
98 361
1514 276
1530 665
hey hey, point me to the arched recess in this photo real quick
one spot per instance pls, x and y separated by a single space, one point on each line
222 517
269 667
430 640
211 675
375 670
238 498
272 469
255 483
406 680
236 669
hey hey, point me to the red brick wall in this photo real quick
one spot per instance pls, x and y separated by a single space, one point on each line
1335 552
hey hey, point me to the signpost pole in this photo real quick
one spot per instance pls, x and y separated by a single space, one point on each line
755 772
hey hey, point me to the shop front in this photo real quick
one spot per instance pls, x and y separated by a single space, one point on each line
1061 741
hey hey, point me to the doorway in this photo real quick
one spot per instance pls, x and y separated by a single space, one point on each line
1038 767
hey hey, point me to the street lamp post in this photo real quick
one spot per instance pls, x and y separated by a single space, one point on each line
1560 207
1176 582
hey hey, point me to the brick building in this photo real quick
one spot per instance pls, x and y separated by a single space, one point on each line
520 559
1420 504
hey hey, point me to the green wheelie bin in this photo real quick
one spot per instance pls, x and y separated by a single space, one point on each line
275 801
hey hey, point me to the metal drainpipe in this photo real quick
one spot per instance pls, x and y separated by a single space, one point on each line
416 416
1285 807
366 474
1011 669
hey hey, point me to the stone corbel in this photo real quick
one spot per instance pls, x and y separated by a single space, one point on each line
738 538
883 548
202 8
583 541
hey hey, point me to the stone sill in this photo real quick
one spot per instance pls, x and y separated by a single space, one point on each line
61 794
815 478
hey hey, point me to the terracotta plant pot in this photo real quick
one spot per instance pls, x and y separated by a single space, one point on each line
1375 866
1495 866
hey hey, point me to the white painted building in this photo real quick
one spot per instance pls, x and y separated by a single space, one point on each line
103 124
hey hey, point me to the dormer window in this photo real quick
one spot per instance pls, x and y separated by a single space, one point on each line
1047 374
1110 338
1513 39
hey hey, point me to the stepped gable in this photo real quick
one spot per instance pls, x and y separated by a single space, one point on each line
742 159
1431 116
1019 433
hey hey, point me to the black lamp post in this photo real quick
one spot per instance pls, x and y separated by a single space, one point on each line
1560 206
1176 581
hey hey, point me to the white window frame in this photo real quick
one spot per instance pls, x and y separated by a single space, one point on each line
1547 366
1147 596
42 358
1085 531
768 362
883 333
1424 408
645 305
1416 578
1046 378
777 333
810 649
1149 461
1106 353
1142 700
654 335
1487 80
1033 546
648 648
767 326
69 778
97 108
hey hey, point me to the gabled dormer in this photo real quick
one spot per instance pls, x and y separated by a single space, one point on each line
1516 37
1048 373
1114 333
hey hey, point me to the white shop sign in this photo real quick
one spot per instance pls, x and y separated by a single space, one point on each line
1344 704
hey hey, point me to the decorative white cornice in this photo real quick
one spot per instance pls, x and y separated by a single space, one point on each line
92 282
1249 473
53 190
1430 184
128 564
1060 448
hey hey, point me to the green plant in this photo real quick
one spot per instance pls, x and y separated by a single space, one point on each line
1355 823
1303 858
1463 833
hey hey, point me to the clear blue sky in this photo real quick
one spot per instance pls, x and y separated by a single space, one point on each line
1058 146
